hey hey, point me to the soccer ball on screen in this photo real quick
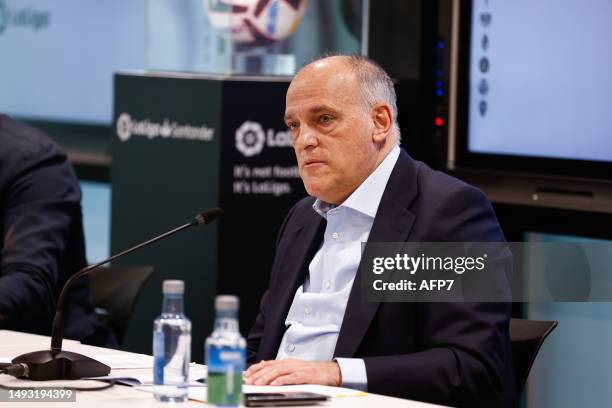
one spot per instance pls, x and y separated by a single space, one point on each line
255 22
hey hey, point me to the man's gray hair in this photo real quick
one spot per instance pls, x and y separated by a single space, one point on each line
375 84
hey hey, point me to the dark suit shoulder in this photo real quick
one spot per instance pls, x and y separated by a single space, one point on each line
436 186
453 209
22 147
23 139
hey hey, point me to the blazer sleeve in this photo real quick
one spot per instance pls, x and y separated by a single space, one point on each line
464 347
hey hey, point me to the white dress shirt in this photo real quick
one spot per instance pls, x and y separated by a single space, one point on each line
315 317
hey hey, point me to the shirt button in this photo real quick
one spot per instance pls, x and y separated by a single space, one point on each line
291 348
327 284
307 310
335 235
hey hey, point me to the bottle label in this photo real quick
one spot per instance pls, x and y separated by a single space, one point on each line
225 367
158 357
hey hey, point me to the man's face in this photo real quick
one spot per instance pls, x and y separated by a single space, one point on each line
332 131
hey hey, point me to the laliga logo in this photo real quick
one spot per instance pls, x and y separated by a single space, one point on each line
251 138
124 124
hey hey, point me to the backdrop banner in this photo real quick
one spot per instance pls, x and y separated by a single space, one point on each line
183 143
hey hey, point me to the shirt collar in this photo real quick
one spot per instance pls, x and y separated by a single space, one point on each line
366 198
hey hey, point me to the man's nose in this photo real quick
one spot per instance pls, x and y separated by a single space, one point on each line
306 138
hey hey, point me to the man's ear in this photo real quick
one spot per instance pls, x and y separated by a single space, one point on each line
382 120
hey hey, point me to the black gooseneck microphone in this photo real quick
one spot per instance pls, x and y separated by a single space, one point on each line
56 364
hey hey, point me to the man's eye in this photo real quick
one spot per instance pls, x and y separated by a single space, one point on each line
293 125
325 119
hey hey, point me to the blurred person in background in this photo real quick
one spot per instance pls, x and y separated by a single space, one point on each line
41 238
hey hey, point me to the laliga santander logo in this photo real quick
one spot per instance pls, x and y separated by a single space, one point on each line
128 127
251 138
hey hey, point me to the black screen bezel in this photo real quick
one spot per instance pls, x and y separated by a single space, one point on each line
514 163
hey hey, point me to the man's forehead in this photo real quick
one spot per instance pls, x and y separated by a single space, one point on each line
315 97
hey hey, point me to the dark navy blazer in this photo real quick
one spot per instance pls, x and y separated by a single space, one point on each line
449 353
41 237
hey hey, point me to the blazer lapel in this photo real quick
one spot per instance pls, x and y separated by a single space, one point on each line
301 246
392 223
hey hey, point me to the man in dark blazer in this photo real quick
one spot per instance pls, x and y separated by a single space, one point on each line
41 237
342 115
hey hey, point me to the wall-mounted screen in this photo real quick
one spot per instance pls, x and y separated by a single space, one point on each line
533 86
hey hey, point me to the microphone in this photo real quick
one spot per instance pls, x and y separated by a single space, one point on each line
56 364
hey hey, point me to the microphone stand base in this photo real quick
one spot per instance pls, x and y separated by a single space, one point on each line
43 365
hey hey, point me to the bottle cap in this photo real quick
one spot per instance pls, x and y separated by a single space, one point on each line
173 287
226 302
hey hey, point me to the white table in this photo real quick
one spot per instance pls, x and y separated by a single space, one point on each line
13 344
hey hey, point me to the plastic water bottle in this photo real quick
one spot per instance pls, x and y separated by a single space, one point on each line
225 355
171 346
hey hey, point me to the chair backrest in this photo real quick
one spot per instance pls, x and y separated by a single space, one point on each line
527 337
114 291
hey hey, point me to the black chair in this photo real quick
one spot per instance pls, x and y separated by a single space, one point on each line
114 291
526 337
